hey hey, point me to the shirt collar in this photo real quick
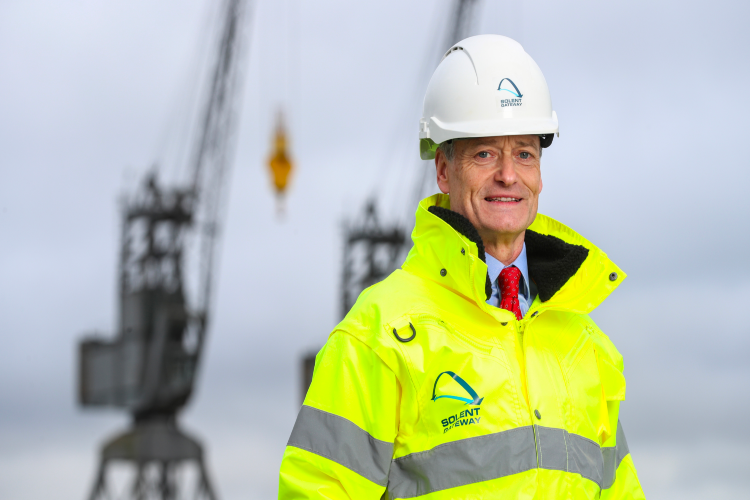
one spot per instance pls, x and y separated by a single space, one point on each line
494 267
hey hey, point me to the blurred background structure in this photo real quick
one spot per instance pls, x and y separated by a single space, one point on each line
169 235
651 98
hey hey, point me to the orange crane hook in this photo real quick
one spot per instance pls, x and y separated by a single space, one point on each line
279 162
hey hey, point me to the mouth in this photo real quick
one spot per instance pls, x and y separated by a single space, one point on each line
503 199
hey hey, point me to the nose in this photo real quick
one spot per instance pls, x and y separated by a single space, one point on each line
506 170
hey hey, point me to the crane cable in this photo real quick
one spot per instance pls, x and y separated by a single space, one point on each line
280 159
171 152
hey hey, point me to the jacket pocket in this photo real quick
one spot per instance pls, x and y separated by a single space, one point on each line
594 380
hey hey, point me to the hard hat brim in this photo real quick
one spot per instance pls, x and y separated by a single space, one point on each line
440 131
437 132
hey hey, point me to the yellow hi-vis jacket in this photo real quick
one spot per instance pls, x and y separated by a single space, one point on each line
426 391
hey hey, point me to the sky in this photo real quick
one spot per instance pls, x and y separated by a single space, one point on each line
652 103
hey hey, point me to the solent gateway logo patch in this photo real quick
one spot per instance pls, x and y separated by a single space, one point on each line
466 417
511 88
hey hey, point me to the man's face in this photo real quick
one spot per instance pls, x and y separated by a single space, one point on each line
494 182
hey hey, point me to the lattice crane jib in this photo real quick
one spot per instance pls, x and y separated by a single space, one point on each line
170 235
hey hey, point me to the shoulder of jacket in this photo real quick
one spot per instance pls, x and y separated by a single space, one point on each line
371 336
379 307
383 308
605 348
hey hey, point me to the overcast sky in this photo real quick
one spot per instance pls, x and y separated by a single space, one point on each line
652 100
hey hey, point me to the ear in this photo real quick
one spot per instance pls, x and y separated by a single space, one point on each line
441 168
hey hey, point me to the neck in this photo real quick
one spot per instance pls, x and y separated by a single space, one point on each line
505 248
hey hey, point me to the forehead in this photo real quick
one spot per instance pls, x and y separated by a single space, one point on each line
513 141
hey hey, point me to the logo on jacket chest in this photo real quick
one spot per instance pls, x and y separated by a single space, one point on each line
454 387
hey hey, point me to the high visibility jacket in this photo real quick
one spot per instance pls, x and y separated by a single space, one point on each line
426 391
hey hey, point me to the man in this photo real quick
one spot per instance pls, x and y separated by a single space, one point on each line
474 371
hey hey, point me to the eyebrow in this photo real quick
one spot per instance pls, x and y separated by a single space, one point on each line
519 144
523 143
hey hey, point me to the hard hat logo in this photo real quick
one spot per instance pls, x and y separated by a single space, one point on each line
517 92
509 102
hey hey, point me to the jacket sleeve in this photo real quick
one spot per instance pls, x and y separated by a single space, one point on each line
620 478
342 442
618 466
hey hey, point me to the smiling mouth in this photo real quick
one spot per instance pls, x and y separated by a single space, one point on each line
504 199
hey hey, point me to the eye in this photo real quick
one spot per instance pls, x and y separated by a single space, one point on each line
524 155
483 154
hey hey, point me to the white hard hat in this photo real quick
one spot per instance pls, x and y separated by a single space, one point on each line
485 86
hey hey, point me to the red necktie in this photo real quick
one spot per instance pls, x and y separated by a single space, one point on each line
508 284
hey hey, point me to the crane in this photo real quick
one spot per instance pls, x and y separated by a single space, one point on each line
373 250
170 235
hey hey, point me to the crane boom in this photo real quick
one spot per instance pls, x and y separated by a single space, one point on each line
215 143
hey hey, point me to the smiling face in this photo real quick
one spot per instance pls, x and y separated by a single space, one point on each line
495 183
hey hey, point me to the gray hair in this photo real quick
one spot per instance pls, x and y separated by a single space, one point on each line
449 149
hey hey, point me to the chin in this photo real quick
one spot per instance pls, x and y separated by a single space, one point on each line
512 226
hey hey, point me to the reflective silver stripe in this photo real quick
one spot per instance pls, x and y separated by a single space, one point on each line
342 441
462 462
497 455
560 450
613 455
585 458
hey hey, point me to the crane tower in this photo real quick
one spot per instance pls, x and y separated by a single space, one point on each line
169 239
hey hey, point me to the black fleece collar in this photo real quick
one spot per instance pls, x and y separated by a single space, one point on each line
552 262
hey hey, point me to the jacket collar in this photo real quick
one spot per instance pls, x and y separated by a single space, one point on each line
569 271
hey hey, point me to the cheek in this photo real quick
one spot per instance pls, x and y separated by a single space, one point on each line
534 182
466 181
479 179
